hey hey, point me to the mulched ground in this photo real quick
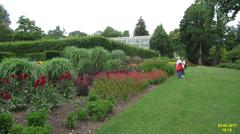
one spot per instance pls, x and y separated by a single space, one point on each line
57 116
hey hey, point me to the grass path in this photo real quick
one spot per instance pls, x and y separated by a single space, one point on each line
195 104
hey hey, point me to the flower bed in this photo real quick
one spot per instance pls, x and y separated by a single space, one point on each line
124 84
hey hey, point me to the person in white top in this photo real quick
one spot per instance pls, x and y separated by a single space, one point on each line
178 61
179 68
184 65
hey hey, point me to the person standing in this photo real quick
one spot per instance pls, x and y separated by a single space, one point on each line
179 67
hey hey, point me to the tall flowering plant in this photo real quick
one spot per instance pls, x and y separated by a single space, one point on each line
64 84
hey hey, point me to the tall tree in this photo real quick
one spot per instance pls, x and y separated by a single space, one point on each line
77 34
178 46
220 28
4 16
126 33
195 32
161 42
27 30
140 29
111 32
238 32
56 33
5 31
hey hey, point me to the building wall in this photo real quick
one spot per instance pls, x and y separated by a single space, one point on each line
139 41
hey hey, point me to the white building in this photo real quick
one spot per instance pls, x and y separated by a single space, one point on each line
139 41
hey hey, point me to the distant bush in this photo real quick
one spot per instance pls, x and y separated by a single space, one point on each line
23 47
118 54
229 65
234 54
49 54
153 64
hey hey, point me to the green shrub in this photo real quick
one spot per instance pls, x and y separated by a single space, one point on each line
234 54
56 67
112 100
49 54
96 110
37 119
6 55
92 97
81 114
36 56
23 47
114 65
152 64
71 120
76 55
18 66
16 129
36 130
118 54
237 61
98 59
99 109
48 98
6 122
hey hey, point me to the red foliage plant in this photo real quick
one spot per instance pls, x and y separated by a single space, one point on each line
22 76
41 81
5 80
65 76
138 76
6 96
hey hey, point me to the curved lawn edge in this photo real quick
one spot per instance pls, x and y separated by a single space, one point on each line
195 104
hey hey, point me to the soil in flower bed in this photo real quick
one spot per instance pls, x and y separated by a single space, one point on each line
57 116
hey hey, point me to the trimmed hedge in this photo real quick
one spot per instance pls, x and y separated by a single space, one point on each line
23 47
49 54
6 55
36 56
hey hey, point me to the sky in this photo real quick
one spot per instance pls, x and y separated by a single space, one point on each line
90 16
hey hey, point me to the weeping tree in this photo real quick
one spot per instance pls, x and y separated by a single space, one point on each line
196 32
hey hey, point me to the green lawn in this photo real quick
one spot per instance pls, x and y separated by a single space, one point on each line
195 104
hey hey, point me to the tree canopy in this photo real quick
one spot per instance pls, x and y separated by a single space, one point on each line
56 33
111 32
5 31
77 34
161 42
140 29
27 30
195 32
